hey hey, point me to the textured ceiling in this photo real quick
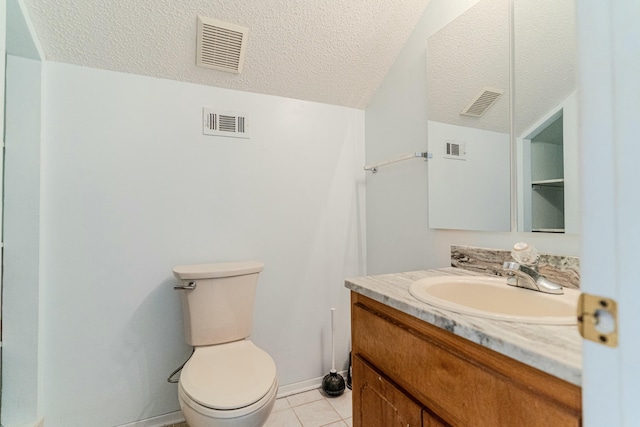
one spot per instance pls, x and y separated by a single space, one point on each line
335 51
545 58
466 55
472 52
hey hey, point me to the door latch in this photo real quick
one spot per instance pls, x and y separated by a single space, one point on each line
598 319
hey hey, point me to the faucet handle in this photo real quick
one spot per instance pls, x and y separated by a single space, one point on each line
525 253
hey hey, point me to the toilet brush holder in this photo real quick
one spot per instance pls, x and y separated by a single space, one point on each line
333 383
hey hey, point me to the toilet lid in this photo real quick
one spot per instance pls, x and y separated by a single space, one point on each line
228 376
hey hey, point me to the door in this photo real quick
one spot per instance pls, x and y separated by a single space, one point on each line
609 90
3 32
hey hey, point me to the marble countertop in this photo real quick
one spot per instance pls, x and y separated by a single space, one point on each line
556 350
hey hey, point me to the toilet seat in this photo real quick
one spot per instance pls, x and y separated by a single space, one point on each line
263 405
228 376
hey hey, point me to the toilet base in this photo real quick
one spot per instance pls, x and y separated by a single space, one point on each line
197 415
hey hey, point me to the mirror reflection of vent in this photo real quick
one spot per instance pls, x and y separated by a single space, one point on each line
482 101
220 45
225 123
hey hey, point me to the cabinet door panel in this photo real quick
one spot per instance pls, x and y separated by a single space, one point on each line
378 403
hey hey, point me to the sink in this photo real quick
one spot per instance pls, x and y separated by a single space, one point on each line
491 297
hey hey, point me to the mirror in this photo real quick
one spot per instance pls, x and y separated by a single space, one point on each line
468 120
469 174
546 121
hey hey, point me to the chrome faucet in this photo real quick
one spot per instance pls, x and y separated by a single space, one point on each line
527 277
524 273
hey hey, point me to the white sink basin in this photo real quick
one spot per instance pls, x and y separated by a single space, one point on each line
492 298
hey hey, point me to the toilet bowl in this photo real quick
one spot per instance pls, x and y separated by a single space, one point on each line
228 385
228 381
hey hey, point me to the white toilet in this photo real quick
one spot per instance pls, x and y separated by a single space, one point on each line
228 381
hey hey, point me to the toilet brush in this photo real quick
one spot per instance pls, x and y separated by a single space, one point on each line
333 383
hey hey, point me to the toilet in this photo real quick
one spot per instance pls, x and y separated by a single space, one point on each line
228 381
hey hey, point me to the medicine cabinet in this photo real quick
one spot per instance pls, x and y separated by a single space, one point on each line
527 50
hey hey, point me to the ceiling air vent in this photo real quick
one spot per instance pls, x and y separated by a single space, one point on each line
482 101
220 45
225 123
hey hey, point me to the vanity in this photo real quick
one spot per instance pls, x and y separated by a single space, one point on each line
418 365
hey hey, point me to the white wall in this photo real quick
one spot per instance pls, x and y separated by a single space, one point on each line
398 237
20 367
477 181
131 188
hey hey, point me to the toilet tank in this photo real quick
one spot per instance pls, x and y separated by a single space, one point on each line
219 308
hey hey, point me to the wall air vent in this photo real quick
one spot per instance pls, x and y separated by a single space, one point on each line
482 101
455 150
220 45
225 123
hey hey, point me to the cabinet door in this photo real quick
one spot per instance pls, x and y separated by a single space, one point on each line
378 403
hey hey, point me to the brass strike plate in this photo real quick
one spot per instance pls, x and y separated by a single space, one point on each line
598 319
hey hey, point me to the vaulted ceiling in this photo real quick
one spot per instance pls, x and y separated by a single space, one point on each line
333 51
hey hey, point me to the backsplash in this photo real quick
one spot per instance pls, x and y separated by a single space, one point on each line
562 269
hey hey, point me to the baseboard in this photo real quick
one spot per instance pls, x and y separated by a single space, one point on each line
283 391
302 386
160 421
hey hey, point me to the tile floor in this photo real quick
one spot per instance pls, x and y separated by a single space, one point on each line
309 409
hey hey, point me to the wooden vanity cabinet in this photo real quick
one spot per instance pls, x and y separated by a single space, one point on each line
407 372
